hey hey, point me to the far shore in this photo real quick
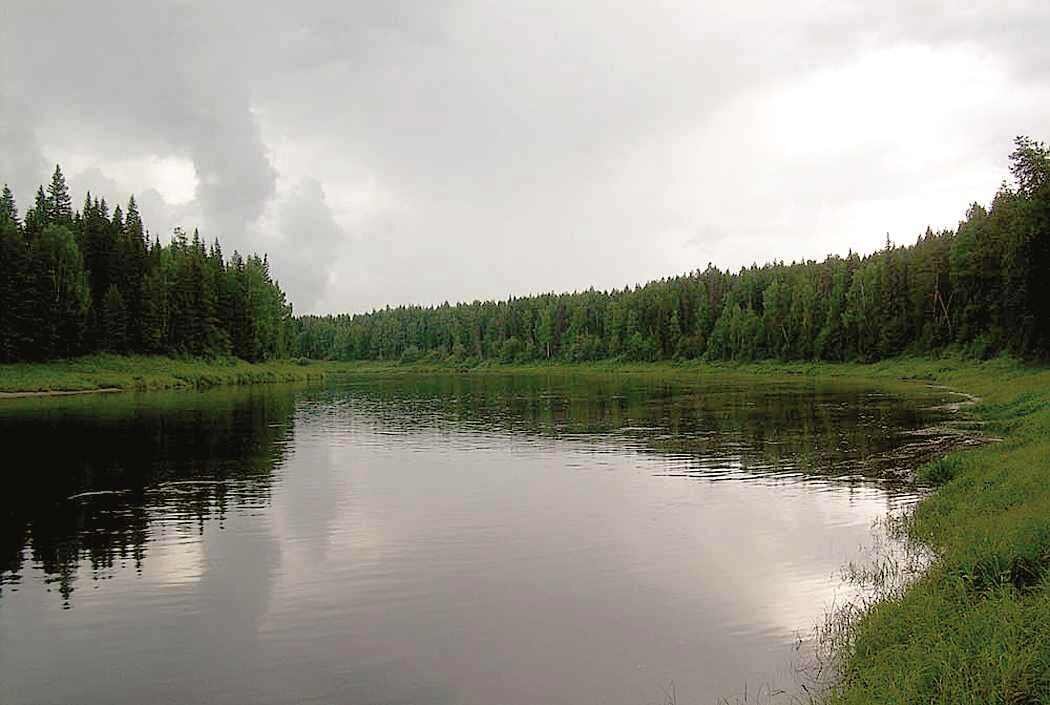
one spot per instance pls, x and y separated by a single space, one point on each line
59 392
107 374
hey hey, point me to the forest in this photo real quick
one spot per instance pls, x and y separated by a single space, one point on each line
77 282
74 283
982 289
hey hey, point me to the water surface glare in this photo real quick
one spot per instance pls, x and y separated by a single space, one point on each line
514 539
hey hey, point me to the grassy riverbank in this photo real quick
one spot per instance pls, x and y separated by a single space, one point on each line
976 627
141 373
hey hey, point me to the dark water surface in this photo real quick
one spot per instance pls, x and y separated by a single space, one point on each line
457 539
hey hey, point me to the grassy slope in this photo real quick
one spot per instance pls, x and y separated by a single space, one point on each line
976 628
145 373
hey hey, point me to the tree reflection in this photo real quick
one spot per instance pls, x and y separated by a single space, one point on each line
833 428
89 476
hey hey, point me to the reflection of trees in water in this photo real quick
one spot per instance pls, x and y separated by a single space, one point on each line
192 457
834 428
90 475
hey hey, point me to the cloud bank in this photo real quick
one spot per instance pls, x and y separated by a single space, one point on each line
413 152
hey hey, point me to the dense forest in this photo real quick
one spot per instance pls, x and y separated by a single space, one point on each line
89 281
983 288
75 282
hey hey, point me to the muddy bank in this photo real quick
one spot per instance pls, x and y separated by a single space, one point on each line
59 393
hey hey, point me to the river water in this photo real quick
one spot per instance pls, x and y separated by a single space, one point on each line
489 539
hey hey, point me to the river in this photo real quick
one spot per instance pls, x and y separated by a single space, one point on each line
445 539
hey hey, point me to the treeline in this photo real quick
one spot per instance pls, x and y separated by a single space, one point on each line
91 280
984 288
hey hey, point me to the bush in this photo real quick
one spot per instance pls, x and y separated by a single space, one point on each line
510 350
690 347
410 354
980 348
940 471
639 349
435 357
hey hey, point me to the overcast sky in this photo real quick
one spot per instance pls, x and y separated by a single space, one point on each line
416 151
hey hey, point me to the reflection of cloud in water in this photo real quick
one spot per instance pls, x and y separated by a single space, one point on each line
419 548
315 522
176 563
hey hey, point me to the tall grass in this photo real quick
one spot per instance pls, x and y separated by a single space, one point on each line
975 628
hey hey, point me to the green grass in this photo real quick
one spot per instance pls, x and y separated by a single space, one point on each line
976 627
141 373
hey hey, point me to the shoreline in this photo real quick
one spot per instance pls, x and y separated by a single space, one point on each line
109 374
60 393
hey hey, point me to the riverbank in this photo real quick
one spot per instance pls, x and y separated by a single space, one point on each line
973 628
110 373
933 370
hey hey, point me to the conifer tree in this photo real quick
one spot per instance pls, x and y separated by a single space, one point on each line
114 321
37 216
59 202
132 271
8 209
155 307
14 266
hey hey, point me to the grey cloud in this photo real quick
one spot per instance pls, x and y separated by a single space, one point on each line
122 79
413 151
310 236
161 217
21 162
93 181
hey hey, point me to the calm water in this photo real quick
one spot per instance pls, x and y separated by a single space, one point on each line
504 540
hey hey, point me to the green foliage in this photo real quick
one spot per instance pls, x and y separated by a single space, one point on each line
940 470
8 209
83 282
59 203
14 282
973 629
511 350
58 294
410 354
114 321
982 289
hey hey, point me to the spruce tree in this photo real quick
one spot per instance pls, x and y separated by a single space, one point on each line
37 216
97 243
114 321
133 262
155 299
8 209
60 205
